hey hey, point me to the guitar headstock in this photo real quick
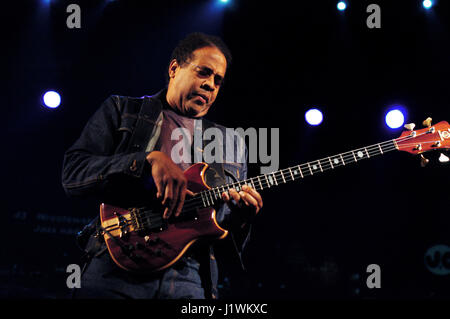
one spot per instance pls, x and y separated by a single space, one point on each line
433 137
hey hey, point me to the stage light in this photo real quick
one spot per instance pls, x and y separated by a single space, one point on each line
313 117
223 1
427 4
52 99
395 118
341 5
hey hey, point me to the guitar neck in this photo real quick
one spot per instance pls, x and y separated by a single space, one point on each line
298 172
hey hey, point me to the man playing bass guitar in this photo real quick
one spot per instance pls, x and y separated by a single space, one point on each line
125 154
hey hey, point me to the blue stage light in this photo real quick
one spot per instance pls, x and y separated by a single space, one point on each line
52 99
342 5
395 118
313 117
427 4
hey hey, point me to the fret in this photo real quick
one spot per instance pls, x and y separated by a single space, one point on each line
268 184
381 150
253 185
367 152
331 163
203 200
342 159
320 166
212 200
274 177
282 176
259 180
310 169
300 170
290 171
207 201
353 153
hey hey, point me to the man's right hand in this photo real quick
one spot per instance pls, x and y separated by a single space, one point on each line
171 184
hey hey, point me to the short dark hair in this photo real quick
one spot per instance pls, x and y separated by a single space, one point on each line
197 40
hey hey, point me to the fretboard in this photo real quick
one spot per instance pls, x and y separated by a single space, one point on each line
211 196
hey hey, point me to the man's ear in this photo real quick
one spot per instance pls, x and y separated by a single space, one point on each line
173 67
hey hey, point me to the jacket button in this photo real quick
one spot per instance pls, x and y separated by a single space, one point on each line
136 146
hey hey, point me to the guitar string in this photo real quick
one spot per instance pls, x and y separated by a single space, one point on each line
391 145
199 202
325 164
345 156
279 178
194 203
253 180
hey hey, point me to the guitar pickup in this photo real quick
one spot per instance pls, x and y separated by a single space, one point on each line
147 220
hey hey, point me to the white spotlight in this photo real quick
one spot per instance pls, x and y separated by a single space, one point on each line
52 99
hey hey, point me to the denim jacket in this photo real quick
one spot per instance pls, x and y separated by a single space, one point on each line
108 162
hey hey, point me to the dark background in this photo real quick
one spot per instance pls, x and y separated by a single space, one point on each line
313 239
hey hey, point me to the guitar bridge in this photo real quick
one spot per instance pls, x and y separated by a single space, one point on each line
123 225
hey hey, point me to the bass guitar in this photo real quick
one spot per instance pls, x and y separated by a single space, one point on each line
140 240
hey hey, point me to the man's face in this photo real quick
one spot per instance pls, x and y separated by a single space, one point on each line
193 86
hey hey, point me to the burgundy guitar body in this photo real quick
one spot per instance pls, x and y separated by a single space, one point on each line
139 240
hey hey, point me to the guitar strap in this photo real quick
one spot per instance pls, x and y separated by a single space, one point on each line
145 126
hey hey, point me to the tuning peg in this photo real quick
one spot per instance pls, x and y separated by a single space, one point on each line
443 158
409 126
427 122
437 144
423 161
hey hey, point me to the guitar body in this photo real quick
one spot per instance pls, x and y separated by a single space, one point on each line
139 240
